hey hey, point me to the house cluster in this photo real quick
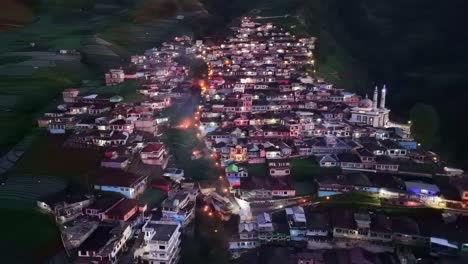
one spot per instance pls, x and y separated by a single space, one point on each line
320 229
264 103
402 191
264 106
97 226
125 132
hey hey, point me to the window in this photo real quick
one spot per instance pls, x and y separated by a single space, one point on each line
162 247
362 232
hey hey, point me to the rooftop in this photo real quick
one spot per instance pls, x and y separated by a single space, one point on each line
97 239
115 177
164 231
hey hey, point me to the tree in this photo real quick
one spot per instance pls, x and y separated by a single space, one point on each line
425 124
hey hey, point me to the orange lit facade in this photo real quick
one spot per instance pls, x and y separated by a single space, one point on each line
238 153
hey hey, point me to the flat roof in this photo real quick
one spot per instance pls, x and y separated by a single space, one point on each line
164 232
421 185
97 239
116 177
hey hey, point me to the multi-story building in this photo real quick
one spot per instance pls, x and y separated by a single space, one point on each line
179 207
161 243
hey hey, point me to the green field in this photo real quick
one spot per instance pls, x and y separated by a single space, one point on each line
181 143
152 196
352 198
429 168
305 169
28 236
47 156
258 170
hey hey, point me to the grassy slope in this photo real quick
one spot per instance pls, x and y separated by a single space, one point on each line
47 156
28 236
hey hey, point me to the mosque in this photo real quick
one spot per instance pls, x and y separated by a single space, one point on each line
367 112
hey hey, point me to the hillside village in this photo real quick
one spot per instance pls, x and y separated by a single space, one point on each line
304 169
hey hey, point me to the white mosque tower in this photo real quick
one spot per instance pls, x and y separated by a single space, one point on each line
369 113
382 98
375 99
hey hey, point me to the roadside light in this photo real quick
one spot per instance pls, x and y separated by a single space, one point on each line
220 177
210 213
225 190
328 197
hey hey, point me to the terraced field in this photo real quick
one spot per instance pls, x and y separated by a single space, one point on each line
24 191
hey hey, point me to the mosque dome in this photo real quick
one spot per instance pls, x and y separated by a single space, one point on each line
365 103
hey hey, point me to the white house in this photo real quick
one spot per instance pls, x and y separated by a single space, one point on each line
161 243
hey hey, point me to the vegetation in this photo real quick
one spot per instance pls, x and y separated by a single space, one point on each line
425 124
152 196
182 142
352 198
26 97
69 163
28 236
305 169
430 168
258 170
208 244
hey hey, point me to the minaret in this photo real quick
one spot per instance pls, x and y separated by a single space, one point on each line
382 99
376 98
